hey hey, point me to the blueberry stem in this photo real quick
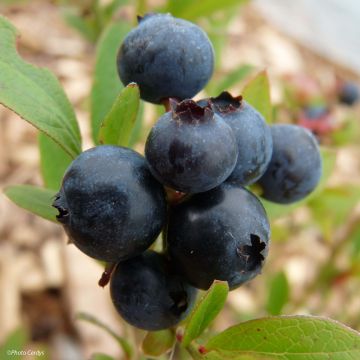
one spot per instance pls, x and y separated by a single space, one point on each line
105 277
168 103
173 196
193 350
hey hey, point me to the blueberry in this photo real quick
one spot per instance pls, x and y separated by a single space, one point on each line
348 93
167 57
252 134
315 112
221 234
148 295
295 167
191 149
109 204
318 119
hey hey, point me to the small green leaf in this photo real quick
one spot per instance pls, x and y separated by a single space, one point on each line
157 343
335 203
138 126
141 7
100 356
16 341
348 133
53 161
288 338
85 27
34 199
192 10
176 7
354 240
119 123
106 85
219 39
233 77
331 205
278 294
110 9
205 311
257 93
35 94
229 355
124 344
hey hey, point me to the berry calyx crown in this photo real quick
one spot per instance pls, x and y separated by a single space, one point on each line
226 103
189 111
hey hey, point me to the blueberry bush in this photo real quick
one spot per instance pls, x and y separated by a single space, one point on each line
191 219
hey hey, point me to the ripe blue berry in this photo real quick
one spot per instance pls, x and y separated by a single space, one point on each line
318 119
349 93
147 294
109 204
191 149
167 57
252 134
316 112
221 234
295 166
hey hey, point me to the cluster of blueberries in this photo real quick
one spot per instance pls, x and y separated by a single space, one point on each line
199 156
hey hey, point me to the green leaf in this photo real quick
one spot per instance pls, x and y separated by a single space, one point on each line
34 199
288 338
124 344
348 133
53 161
138 126
141 7
354 240
205 311
176 7
35 94
257 93
119 123
219 40
228 355
330 205
334 205
157 343
15 341
192 10
110 9
85 27
100 356
278 294
233 78
106 85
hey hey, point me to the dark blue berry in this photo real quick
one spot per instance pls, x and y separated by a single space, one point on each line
222 234
252 134
109 204
295 167
318 119
167 57
349 93
148 294
191 149
316 112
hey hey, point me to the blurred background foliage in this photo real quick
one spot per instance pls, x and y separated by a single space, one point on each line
313 266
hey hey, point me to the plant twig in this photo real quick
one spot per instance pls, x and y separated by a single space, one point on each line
124 344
